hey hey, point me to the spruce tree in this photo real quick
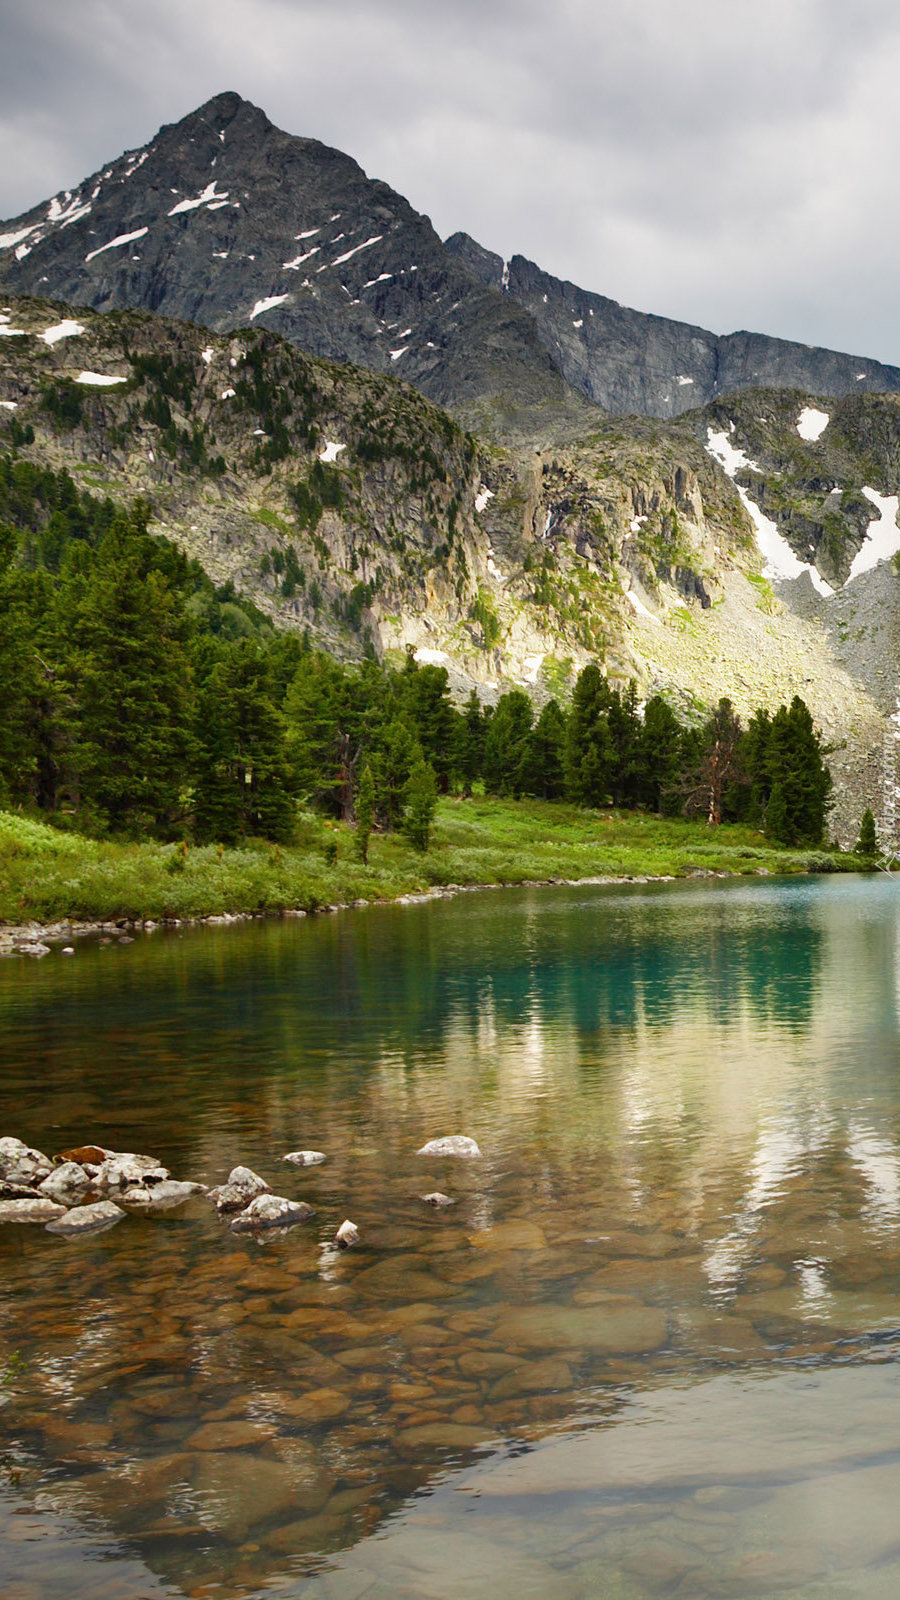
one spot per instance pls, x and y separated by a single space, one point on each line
778 823
659 755
867 843
470 737
506 745
544 774
365 812
245 784
421 805
129 677
589 758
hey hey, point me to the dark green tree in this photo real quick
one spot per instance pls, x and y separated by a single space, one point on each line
365 812
545 761
470 737
421 805
778 825
245 783
867 843
590 757
660 756
507 745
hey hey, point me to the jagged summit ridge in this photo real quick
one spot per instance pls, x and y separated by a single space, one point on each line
633 361
224 220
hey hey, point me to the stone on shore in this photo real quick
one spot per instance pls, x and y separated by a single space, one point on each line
94 1218
272 1211
306 1158
37 1210
454 1144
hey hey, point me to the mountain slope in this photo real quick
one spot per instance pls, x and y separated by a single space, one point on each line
343 502
628 361
224 220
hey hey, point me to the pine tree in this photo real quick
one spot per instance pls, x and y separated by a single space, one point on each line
778 825
421 805
506 745
796 763
129 676
365 812
545 774
470 743
245 784
660 754
867 843
589 755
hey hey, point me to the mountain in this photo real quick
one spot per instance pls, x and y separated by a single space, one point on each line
224 220
628 361
345 503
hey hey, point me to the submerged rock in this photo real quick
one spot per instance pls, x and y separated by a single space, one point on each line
21 1164
67 1183
241 1186
271 1211
455 1144
306 1158
347 1234
28 1210
33 948
163 1196
438 1200
94 1218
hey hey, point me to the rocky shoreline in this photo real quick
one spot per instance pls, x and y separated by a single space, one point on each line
37 938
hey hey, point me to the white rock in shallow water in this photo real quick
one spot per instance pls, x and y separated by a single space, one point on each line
306 1158
95 1218
161 1197
347 1234
21 1164
455 1144
39 1210
67 1183
125 1168
438 1200
271 1211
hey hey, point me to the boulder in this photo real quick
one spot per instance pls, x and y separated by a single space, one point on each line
437 1200
85 1154
21 1164
347 1234
27 1210
94 1218
454 1144
241 1186
306 1158
67 1183
271 1211
120 1170
18 1191
160 1196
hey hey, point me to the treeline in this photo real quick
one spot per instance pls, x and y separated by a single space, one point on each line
135 697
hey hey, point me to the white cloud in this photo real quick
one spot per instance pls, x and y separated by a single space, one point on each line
724 165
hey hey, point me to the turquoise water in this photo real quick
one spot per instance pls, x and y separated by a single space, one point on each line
650 1350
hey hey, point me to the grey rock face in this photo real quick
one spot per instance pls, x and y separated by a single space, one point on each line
629 361
455 1144
94 1218
19 1163
271 1211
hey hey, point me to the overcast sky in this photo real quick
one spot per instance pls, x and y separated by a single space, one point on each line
730 162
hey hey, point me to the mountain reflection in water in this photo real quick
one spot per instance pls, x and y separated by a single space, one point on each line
689 1203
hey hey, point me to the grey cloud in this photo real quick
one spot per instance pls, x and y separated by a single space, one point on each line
729 164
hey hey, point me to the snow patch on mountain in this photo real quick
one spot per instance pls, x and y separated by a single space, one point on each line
98 380
811 424
122 238
780 560
882 535
204 199
67 329
268 304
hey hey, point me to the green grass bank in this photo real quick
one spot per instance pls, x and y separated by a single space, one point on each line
46 875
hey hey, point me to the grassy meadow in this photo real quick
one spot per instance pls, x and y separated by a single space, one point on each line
48 875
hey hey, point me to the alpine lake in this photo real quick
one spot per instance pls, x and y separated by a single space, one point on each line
652 1349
